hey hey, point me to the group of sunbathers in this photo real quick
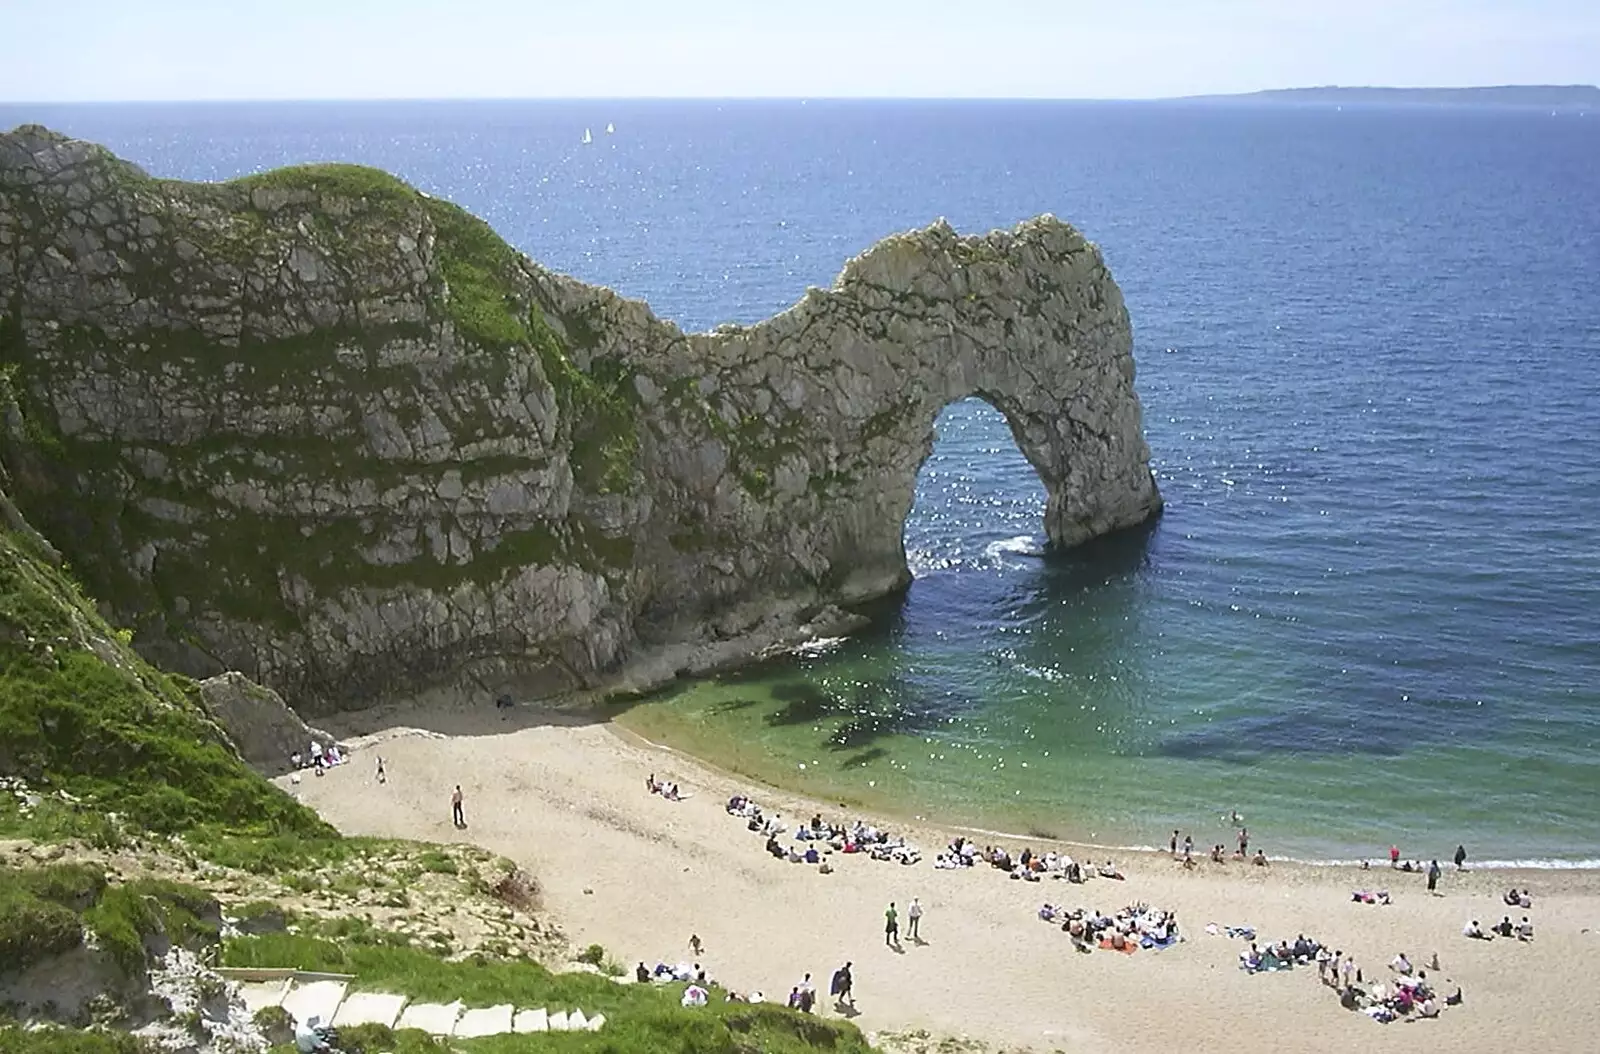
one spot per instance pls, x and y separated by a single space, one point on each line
1523 930
1137 925
1409 993
858 837
1026 866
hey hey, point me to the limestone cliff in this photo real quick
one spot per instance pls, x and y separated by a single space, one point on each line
322 428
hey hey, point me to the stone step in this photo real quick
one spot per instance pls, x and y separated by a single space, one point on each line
308 999
436 1019
487 1021
531 1021
369 1008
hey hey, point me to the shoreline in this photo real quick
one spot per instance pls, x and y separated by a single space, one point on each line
887 807
629 735
637 874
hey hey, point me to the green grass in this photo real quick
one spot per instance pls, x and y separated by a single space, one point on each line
477 264
437 861
639 1018
80 712
722 1028
44 911
32 928
49 1040
350 181
129 913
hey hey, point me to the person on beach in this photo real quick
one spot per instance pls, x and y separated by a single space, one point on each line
1394 856
1260 859
914 919
1433 876
1461 858
1188 846
1172 846
456 812
1244 842
843 986
641 974
695 945
891 926
383 777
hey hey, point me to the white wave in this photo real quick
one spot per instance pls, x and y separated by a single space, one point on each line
1043 673
1535 864
1532 864
817 646
1021 545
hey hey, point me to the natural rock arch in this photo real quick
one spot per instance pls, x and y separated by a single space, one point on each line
334 433
1029 320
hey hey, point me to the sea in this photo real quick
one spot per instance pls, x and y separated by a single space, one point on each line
1368 344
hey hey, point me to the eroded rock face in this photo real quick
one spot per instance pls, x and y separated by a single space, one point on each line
262 728
326 430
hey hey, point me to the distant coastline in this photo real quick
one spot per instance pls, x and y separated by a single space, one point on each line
1547 96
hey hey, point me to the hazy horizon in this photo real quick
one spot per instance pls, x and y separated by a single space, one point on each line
331 100
412 50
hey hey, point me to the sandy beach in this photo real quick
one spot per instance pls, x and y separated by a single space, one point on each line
639 874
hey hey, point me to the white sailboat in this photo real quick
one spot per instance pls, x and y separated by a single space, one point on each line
587 138
611 129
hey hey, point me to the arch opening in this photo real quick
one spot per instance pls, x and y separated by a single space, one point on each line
978 501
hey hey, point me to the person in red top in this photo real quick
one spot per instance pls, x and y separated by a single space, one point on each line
1394 856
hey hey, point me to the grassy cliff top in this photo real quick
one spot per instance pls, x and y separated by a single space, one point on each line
91 729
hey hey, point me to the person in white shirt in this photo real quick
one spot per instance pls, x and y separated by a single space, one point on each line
1401 965
913 919
307 1040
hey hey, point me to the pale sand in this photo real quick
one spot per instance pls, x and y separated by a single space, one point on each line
638 874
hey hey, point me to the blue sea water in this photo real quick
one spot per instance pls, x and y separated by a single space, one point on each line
1369 355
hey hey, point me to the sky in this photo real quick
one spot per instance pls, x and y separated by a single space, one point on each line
114 50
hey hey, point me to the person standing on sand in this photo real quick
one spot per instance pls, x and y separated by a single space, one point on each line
843 987
1244 842
1461 858
456 812
695 945
1172 846
891 926
1394 856
914 919
1433 876
383 777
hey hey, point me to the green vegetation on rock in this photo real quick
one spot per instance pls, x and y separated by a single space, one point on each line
81 713
45 911
602 406
17 1040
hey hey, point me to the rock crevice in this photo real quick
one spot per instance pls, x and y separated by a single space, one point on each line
319 427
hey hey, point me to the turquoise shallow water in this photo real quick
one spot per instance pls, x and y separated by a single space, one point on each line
1369 353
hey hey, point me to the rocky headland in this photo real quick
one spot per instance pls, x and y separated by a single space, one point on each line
319 427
